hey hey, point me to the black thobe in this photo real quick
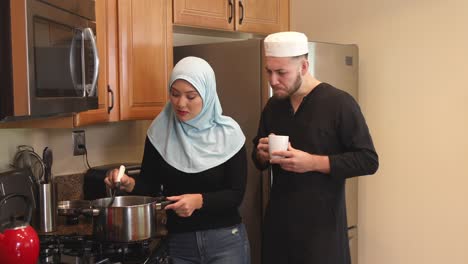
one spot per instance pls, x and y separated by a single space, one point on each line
305 221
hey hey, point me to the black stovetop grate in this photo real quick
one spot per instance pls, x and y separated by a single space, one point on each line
83 249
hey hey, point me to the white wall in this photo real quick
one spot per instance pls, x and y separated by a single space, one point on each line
413 92
106 143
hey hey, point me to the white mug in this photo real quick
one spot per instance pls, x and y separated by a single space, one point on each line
277 143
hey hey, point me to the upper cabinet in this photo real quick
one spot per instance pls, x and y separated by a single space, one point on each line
262 16
253 16
135 45
205 13
145 56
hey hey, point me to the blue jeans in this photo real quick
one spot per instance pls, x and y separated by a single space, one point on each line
228 245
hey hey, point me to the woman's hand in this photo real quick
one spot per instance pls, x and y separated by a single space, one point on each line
127 183
185 204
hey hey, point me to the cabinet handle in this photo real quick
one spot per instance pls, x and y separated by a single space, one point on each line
241 8
109 108
231 11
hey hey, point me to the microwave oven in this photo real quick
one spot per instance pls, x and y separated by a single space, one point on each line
49 61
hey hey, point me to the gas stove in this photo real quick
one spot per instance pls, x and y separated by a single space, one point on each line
82 249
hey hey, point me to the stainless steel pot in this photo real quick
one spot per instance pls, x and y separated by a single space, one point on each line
129 218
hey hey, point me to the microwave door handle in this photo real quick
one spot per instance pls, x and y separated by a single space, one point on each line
90 35
78 33
83 61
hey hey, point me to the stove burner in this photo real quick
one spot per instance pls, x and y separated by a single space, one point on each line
49 249
83 249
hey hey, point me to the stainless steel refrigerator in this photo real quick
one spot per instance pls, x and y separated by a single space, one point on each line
243 91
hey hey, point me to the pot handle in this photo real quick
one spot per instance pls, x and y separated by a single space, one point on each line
162 204
26 200
90 212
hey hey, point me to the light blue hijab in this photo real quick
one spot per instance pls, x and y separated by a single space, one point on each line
207 140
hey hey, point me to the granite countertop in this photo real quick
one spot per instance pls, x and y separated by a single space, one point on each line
84 227
81 229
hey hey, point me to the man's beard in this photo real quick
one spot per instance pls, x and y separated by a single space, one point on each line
296 85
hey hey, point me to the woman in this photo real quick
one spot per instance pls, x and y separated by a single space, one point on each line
199 156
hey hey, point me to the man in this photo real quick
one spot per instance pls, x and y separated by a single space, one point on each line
329 141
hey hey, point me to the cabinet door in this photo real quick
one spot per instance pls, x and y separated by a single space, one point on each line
101 114
145 38
262 16
217 14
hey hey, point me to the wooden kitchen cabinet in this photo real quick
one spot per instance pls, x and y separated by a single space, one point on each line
145 56
253 16
262 16
136 60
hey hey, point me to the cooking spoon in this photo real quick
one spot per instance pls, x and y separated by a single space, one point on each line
116 184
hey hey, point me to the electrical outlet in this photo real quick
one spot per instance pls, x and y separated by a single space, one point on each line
79 143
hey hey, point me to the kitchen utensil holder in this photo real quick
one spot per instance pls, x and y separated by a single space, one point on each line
47 207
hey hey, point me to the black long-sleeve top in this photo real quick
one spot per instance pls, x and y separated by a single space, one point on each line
222 188
327 122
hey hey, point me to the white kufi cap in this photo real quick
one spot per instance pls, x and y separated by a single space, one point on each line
286 44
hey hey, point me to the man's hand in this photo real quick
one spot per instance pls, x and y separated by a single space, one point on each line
262 150
299 161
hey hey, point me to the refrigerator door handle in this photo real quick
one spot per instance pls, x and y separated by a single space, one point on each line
352 231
